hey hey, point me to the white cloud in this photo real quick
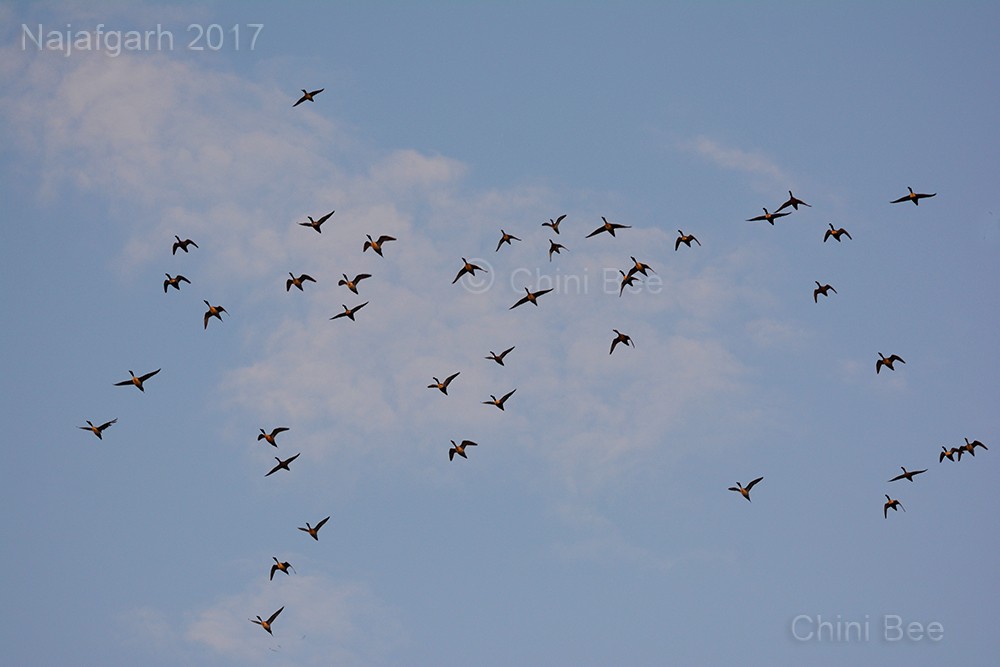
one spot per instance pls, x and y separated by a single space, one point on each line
728 157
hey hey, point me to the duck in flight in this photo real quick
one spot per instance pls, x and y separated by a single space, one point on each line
349 312
745 490
459 449
894 504
305 277
174 281
376 245
530 296
505 238
267 624
793 202
836 233
685 239
499 402
98 430
307 96
887 362
353 284
137 381
947 453
467 267
213 311
443 386
620 338
314 532
822 289
554 224
278 565
768 217
282 465
907 474
556 248
316 224
627 281
269 437
499 357
914 197
608 227
640 267
183 245
969 447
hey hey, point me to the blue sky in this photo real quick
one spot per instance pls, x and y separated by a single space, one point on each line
592 525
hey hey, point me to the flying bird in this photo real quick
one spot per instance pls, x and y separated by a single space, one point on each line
883 361
174 281
314 532
745 490
894 504
213 311
278 565
556 248
499 357
621 338
554 224
137 381
823 289
282 465
353 284
768 217
349 312
530 296
640 267
947 453
914 197
793 202
907 474
499 402
316 224
836 233
443 386
685 239
608 227
305 277
98 430
267 624
183 245
307 96
975 443
269 437
460 449
505 238
376 245
467 267
627 281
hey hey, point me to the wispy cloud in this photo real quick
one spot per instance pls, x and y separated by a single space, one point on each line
729 157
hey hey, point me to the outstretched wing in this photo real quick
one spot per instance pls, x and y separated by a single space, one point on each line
751 484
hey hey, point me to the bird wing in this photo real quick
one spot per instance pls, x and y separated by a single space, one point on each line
324 218
507 395
275 615
274 469
143 378
359 307
451 454
613 343
469 443
451 377
901 199
677 244
107 424
759 217
383 239
338 315
273 568
751 484
321 523
280 429
600 229
544 291
522 300
898 477
504 353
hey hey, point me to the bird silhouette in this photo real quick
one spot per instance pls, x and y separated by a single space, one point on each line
907 474
376 245
349 312
608 227
98 430
269 437
505 238
822 289
460 449
556 248
279 566
467 267
745 490
914 197
947 453
685 239
793 202
305 277
307 96
620 338
499 402
213 311
640 267
317 224
353 284
267 624
768 217
282 465
894 504
443 386
137 381
499 357
174 282
554 224
183 245
627 281
530 296
314 532
887 362
836 233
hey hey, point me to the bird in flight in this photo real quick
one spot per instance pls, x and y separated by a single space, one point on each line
556 248
353 284
969 447
914 197
137 381
554 224
98 430
836 233
349 312
745 490
376 245
499 357
305 277
947 453
314 532
627 281
278 565
213 311
887 362
443 386
530 296
822 289
894 504
505 238
768 217
907 474
183 245
459 449
282 465
608 227
467 267
499 402
307 96
316 224
267 624
174 282
793 202
621 338
269 437
640 267
685 239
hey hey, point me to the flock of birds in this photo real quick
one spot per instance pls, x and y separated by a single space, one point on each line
628 279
